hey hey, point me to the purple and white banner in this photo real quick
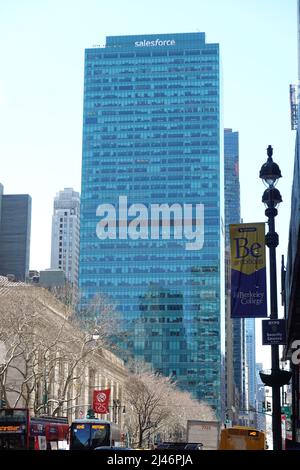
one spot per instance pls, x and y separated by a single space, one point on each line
248 270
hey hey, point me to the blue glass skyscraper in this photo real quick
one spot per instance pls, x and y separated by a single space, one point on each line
152 137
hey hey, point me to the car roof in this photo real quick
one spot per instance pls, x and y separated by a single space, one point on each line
90 421
112 448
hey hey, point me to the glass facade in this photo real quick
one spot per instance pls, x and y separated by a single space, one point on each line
233 216
232 180
151 134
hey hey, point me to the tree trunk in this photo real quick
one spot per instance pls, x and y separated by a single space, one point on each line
141 435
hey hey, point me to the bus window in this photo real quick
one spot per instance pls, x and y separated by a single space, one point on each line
80 436
12 442
99 435
13 428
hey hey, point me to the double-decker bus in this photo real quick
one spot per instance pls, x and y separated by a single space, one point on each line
19 431
242 438
87 434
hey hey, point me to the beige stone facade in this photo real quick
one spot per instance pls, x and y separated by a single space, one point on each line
48 363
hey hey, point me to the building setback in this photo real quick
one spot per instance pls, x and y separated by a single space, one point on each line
65 234
15 223
151 135
235 327
235 338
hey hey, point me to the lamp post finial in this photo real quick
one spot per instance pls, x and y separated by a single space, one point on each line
270 151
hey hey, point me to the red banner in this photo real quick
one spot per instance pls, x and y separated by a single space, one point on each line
101 400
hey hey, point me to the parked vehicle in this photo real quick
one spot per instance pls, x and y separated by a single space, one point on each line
194 446
179 445
205 432
112 448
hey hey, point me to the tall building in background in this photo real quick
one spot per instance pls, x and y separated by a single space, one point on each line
251 360
298 37
15 223
235 334
65 234
151 135
1 194
295 88
240 333
260 400
292 279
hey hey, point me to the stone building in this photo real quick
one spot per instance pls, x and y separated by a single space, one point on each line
49 362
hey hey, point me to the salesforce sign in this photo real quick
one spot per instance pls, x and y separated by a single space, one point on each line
157 42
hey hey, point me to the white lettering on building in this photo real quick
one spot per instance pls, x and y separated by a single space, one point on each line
157 42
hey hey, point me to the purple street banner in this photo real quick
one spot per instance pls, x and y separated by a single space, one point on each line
248 270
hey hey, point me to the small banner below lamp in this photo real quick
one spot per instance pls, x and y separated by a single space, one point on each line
101 401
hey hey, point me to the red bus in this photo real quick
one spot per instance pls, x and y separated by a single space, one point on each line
19 431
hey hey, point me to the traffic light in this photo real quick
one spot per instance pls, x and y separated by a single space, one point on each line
269 408
90 413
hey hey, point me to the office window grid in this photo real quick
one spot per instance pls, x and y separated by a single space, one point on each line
151 132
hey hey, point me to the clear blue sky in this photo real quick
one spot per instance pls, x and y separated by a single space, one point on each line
42 46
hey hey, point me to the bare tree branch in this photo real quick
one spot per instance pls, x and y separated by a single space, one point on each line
48 348
157 406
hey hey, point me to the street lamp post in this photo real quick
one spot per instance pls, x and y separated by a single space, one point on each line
116 410
270 173
45 396
93 338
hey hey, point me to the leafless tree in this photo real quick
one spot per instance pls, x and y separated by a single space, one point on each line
147 396
47 350
102 315
157 406
184 407
66 293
